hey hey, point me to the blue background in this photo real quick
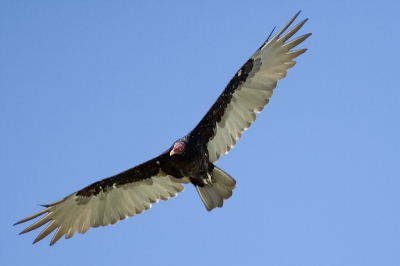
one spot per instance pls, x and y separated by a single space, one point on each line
89 89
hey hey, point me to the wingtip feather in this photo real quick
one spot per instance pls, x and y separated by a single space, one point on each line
292 31
287 25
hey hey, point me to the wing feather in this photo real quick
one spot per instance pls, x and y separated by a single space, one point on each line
249 91
58 234
49 228
232 131
85 220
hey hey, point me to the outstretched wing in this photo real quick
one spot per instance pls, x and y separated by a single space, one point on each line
248 92
109 200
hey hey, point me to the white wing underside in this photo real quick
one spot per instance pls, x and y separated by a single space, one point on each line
78 214
270 64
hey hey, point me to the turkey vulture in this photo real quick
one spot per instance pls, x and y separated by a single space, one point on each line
189 160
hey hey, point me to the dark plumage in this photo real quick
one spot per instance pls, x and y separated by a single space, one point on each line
189 160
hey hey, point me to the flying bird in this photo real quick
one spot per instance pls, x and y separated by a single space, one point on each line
190 159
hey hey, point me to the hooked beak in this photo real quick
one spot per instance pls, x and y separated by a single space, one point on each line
172 152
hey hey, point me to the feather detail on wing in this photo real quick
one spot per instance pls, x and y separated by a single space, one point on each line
249 91
80 211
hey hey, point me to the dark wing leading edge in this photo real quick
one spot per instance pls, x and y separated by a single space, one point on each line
248 92
109 200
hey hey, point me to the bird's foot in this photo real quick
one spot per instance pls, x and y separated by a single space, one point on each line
208 180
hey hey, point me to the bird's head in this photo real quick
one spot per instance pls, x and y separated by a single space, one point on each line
178 148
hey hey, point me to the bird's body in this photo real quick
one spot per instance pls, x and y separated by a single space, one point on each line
190 159
193 163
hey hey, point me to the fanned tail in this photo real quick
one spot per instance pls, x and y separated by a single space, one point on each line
221 189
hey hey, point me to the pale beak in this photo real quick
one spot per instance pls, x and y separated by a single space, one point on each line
172 152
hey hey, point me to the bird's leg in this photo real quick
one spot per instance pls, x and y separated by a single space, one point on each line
208 180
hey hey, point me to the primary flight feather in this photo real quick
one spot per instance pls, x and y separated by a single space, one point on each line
189 160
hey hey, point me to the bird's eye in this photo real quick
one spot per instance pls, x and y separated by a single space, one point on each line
180 149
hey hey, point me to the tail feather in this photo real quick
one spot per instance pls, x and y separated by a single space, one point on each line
221 188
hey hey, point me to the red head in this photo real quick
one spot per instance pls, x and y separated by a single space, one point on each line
179 148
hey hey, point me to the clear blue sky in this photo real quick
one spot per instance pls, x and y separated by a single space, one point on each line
90 89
